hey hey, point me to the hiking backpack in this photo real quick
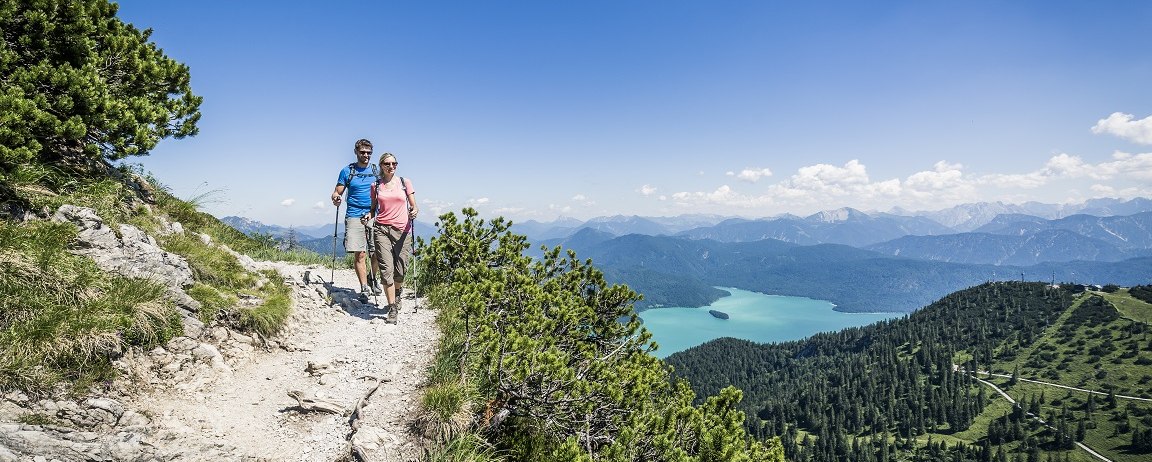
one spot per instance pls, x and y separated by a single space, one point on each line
352 174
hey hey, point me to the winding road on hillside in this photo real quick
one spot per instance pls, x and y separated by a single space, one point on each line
1036 417
1136 398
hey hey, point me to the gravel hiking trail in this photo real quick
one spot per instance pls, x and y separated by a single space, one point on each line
334 352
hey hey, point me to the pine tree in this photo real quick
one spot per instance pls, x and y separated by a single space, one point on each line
291 240
77 83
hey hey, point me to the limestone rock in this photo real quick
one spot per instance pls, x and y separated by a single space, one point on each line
107 404
133 419
132 253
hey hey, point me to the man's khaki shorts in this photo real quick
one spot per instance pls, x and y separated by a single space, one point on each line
355 238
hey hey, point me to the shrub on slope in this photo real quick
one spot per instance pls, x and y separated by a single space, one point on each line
554 362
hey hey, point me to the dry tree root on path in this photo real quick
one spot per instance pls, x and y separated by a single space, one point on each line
354 422
309 403
354 419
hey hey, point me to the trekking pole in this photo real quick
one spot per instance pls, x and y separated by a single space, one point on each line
415 276
371 235
335 230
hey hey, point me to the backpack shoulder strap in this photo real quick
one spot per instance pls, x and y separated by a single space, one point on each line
372 193
404 184
351 175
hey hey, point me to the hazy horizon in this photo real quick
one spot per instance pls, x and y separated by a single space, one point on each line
429 220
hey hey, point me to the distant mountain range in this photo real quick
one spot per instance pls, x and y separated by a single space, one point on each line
968 217
617 225
840 226
894 261
317 238
1027 240
250 226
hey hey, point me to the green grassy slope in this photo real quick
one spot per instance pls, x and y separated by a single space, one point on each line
64 320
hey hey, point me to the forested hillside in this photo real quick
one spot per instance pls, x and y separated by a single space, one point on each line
900 386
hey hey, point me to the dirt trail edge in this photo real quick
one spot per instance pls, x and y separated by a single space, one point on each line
270 402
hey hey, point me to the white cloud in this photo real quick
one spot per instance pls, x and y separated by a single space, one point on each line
476 201
1101 190
942 178
1122 125
1015 180
824 177
887 188
824 186
751 175
288 202
437 207
583 201
647 190
1064 166
722 195
507 210
820 186
320 205
1125 165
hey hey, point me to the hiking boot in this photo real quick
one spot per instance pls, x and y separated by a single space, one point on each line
399 292
393 313
376 290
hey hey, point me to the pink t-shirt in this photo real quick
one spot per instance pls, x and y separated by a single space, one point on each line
392 206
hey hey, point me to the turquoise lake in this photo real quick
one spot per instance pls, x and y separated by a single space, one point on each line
752 316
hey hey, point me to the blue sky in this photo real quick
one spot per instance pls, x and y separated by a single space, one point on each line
534 110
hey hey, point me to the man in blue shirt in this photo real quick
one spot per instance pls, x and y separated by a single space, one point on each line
357 179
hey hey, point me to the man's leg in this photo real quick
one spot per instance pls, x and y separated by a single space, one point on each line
361 269
355 242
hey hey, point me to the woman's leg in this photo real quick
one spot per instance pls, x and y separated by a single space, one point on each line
401 256
384 245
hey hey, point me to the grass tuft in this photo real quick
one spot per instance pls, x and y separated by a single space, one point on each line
269 317
61 318
446 413
467 448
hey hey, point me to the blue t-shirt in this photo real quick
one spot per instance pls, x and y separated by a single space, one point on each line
359 190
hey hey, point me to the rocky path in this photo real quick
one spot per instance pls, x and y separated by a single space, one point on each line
221 395
335 350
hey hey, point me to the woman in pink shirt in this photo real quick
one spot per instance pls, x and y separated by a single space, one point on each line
394 211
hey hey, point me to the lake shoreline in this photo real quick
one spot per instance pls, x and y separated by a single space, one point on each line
753 316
